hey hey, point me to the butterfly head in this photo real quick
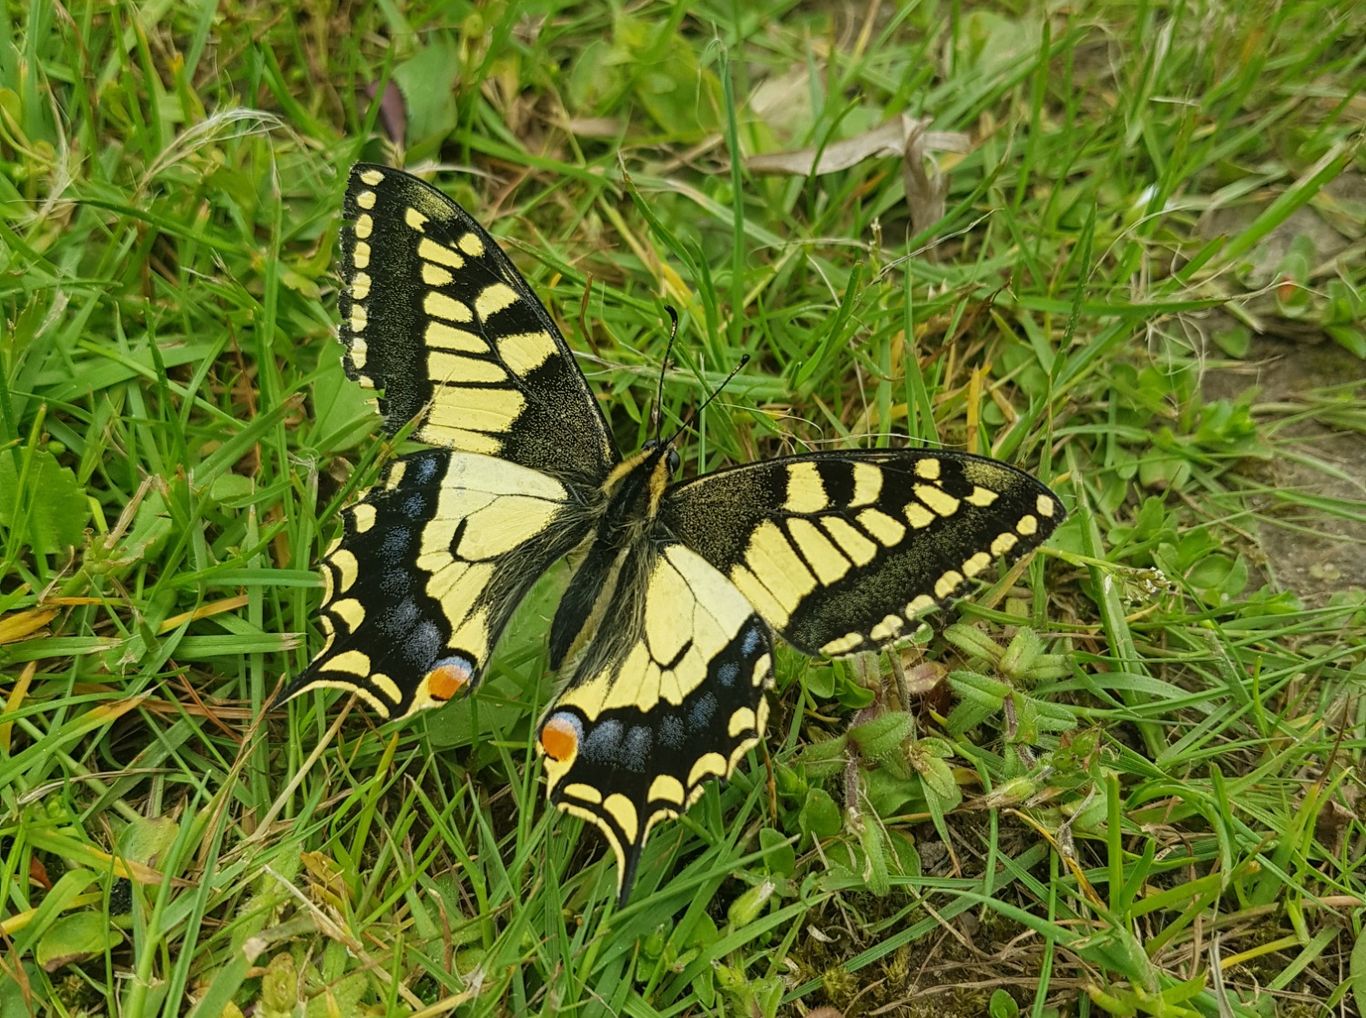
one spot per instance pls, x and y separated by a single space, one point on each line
669 456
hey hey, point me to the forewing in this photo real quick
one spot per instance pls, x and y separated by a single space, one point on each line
841 551
631 740
435 316
431 565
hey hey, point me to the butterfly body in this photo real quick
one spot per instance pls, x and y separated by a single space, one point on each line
663 636
617 558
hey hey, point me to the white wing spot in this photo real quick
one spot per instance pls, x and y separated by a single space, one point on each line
917 605
842 644
1003 543
947 584
976 564
888 628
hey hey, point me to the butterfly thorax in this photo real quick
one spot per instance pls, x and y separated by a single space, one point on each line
634 489
618 558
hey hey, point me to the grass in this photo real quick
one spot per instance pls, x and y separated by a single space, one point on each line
1130 781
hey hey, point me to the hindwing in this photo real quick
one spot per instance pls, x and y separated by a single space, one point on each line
669 694
435 315
841 551
430 566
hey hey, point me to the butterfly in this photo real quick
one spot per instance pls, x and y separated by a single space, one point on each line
664 635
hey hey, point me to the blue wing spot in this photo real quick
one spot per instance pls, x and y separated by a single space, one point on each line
727 673
603 744
399 619
424 643
426 469
414 506
395 583
636 750
394 546
672 732
701 713
749 643
460 663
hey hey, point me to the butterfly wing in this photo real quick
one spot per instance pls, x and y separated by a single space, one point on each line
668 695
841 551
429 568
434 560
434 315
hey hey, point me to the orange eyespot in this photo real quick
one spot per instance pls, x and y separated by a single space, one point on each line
560 737
445 680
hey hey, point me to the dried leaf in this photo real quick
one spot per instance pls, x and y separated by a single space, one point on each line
393 120
594 127
784 102
18 626
12 702
903 136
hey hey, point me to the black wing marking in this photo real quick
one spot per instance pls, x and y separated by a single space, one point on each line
435 315
840 551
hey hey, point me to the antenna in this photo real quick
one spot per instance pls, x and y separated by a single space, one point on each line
663 367
693 416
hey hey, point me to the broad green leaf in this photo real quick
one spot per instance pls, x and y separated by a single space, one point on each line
146 839
74 937
427 81
51 502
